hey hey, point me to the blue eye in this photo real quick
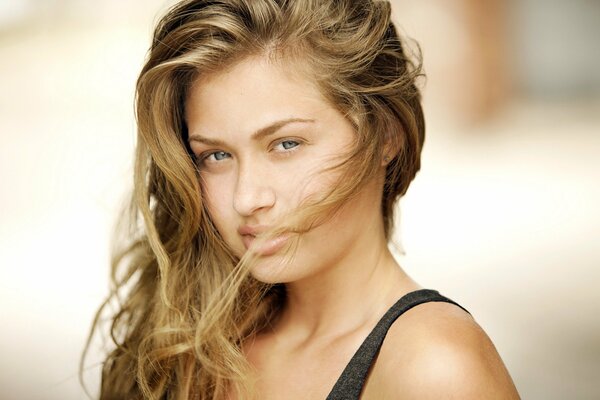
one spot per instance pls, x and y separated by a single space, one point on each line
219 155
206 157
289 144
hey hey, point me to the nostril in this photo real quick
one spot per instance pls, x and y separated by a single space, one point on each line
250 196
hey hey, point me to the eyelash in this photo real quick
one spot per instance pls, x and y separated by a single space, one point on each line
202 157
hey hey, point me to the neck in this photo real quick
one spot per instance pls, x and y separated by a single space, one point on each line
350 295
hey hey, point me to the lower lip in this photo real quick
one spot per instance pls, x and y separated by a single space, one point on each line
267 248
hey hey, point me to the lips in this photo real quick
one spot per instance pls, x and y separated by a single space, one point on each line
249 235
252 230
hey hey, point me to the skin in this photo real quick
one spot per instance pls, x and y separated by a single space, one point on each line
342 277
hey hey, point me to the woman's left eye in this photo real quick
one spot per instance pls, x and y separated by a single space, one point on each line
288 144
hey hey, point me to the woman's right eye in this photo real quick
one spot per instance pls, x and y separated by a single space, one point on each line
211 157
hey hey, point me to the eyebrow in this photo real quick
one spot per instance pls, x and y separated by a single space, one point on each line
259 134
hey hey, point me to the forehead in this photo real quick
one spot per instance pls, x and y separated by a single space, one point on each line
251 94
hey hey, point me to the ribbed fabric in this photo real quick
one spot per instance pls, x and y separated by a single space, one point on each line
350 383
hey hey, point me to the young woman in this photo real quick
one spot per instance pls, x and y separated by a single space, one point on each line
275 138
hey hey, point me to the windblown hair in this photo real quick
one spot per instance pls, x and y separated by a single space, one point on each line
184 302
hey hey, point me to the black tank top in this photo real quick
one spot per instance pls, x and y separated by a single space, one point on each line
350 383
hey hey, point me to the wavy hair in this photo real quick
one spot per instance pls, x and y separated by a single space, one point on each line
184 302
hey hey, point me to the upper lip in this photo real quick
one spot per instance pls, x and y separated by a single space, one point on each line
252 229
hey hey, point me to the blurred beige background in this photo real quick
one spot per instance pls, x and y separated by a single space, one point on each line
502 218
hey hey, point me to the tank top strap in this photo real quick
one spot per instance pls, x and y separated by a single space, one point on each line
350 383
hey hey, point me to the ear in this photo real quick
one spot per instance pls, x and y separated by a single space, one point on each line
385 161
391 147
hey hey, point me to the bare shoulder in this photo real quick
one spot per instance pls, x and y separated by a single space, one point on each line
438 351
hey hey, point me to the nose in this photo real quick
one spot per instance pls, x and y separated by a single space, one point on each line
252 192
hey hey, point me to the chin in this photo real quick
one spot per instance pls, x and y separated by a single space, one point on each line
280 267
274 270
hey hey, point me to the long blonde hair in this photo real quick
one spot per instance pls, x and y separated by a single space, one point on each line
185 303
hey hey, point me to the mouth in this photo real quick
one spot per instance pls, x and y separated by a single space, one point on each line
265 247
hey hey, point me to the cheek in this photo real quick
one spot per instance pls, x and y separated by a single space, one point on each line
218 202
312 181
328 243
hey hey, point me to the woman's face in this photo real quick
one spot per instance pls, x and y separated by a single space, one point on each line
260 135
